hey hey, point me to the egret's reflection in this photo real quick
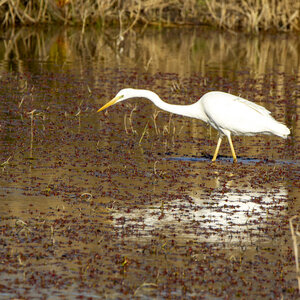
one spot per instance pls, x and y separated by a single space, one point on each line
229 216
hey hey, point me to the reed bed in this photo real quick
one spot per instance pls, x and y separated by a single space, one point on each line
248 15
255 15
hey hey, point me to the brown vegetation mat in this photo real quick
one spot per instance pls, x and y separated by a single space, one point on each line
250 15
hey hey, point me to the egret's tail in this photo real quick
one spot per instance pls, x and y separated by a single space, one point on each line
280 129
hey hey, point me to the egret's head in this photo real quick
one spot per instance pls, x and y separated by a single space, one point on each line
121 96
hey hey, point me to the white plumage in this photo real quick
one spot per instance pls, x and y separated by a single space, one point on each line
227 113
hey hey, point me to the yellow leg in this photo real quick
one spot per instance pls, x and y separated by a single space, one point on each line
232 149
217 149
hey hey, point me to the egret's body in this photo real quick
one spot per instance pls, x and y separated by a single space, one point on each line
227 113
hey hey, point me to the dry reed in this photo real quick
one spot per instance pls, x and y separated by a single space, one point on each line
255 15
249 15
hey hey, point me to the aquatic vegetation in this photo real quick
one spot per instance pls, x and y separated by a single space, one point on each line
97 214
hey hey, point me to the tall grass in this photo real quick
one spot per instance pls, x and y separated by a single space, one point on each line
30 12
250 15
255 15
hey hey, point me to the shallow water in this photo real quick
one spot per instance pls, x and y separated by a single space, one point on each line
126 203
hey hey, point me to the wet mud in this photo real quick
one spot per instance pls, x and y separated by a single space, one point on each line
126 203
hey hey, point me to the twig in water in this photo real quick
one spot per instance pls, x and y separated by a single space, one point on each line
295 246
31 113
145 129
22 226
148 64
79 122
154 117
21 102
52 235
145 285
4 164
20 260
130 119
158 174
125 123
89 90
89 196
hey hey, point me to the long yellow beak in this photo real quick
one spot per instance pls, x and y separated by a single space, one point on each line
110 103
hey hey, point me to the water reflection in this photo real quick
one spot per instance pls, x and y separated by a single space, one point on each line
227 216
181 51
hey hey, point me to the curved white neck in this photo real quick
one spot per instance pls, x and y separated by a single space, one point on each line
184 110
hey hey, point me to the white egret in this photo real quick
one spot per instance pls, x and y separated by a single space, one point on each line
227 113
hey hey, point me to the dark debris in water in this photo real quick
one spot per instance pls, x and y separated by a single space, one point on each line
87 211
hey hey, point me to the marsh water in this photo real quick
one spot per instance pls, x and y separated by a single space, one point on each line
126 203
